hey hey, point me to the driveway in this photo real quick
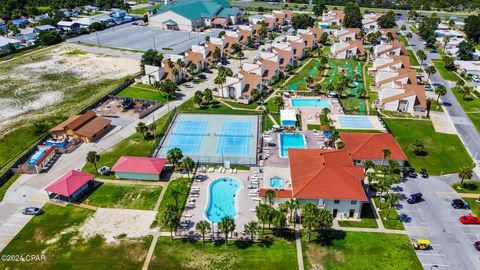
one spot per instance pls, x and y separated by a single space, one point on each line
28 190
467 132
435 219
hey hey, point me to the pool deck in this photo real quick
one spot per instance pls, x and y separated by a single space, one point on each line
243 203
310 115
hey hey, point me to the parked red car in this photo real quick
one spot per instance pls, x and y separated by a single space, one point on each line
469 220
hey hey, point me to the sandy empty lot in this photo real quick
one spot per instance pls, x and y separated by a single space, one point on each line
110 223
58 75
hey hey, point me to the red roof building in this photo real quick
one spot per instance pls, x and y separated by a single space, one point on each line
70 186
370 146
139 168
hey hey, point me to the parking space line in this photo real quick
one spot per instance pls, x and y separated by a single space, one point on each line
441 265
12 225
429 254
7 234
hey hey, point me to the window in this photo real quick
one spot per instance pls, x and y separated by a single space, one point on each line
336 201
353 202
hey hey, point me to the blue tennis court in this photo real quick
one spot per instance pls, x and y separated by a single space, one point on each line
235 138
347 121
213 138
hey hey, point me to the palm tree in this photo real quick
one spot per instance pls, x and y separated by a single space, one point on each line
294 205
386 153
325 218
467 90
430 70
278 102
188 164
446 39
310 218
421 56
93 158
279 220
465 173
270 196
181 65
393 199
175 194
251 228
192 67
171 219
368 164
203 226
198 98
262 215
441 90
220 80
309 80
174 155
141 128
226 225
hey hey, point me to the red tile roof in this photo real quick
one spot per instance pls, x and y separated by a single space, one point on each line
325 174
69 183
369 146
279 193
139 165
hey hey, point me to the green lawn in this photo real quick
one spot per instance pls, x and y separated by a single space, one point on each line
313 127
124 196
134 145
141 11
367 219
4 187
413 59
215 108
250 106
472 187
56 235
393 222
435 106
361 250
141 92
182 254
181 185
446 74
471 105
304 71
444 152
474 206
404 40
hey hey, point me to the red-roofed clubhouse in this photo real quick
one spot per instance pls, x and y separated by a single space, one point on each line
139 168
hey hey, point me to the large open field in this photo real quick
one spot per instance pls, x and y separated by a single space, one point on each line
57 235
444 152
360 250
49 85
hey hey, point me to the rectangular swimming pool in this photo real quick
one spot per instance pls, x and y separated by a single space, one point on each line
288 141
213 138
354 121
310 103
276 182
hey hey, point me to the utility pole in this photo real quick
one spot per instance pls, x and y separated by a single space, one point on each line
98 39
154 45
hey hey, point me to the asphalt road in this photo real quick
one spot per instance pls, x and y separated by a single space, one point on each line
467 132
436 220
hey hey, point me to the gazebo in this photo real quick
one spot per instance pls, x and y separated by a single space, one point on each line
288 118
71 186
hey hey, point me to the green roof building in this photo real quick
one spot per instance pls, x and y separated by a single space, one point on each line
189 15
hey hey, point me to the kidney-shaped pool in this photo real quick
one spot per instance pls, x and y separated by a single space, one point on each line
221 201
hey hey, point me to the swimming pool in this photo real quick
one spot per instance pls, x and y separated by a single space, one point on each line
276 182
310 103
288 141
222 199
351 121
36 157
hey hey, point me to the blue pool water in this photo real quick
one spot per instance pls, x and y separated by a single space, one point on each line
310 103
276 182
36 157
222 199
288 141
348 121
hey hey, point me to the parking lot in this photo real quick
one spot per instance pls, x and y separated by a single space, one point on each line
142 38
435 219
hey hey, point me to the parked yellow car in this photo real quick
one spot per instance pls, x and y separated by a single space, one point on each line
422 244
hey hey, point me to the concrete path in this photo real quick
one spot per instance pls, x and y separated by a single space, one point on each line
469 195
150 252
375 230
298 242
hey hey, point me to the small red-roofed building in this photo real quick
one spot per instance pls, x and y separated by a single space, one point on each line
70 186
139 168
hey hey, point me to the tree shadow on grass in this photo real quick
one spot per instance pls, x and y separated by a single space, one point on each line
326 237
470 186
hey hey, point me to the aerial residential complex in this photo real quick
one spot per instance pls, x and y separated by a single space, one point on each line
214 134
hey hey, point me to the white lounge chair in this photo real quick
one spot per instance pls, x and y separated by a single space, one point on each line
257 199
253 210
188 215
194 195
